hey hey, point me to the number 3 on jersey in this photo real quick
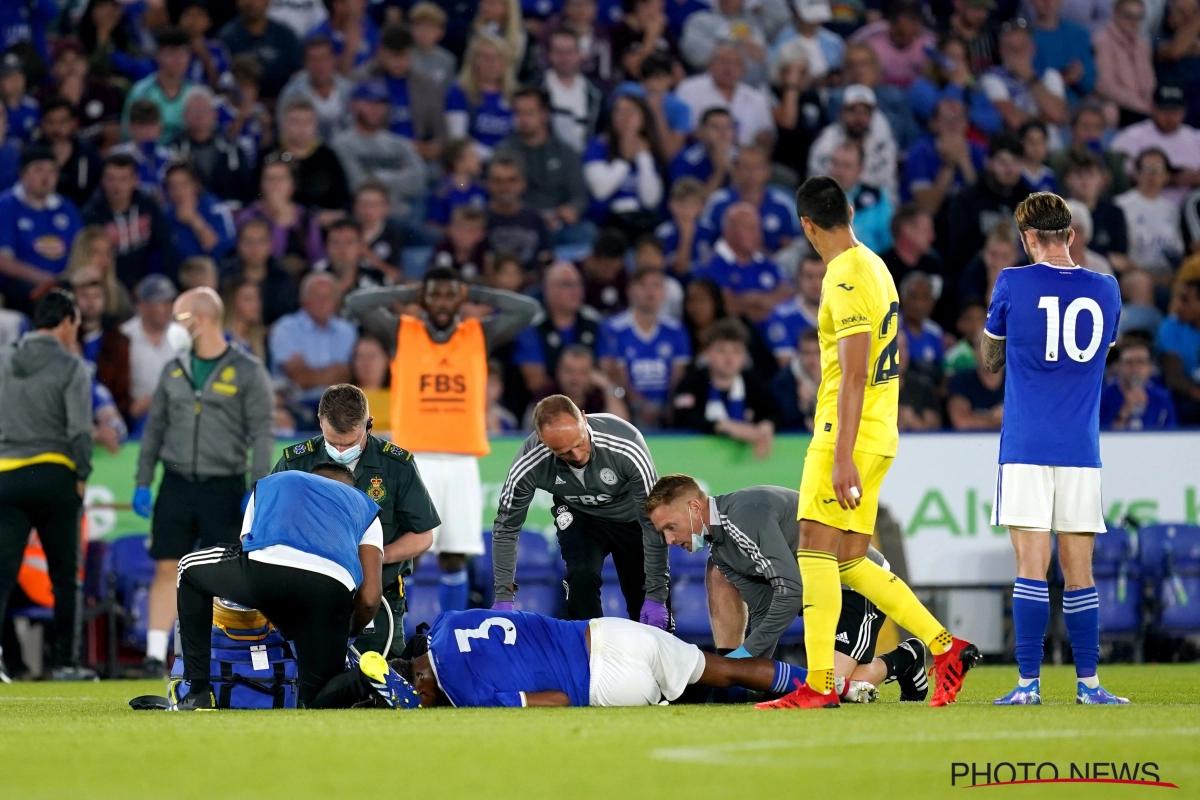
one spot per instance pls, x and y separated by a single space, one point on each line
887 367
465 635
1067 326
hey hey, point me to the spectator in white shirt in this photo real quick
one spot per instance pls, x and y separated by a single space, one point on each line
721 86
149 351
1166 131
574 100
1155 239
859 121
727 22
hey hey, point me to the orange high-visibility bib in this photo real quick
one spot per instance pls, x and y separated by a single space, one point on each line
439 391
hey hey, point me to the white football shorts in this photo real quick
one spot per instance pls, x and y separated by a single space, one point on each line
452 480
1061 499
639 665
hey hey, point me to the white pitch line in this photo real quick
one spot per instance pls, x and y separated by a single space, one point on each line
762 753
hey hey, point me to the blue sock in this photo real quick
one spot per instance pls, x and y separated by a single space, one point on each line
1031 614
787 678
1081 613
454 591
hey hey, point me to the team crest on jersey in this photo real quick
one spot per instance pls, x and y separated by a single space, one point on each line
564 520
561 510
228 374
376 492
608 476
61 221
665 350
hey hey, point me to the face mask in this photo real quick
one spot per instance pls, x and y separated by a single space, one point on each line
698 540
343 457
179 338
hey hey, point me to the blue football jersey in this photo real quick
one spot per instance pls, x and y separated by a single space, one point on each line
760 275
1057 323
783 328
777 214
490 122
647 358
489 658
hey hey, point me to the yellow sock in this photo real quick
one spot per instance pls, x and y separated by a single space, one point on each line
822 601
895 599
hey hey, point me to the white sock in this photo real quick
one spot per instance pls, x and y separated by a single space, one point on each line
156 645
1092 682
1026 682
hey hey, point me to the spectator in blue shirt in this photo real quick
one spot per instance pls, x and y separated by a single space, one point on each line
352 32
23 113
708 159
37 226
776 210
210 59
312 347
477 104
872 208
792 317
685 243
672 115
201 225
944 163
952 77
645 351
926 348
1178 346
26 21
151 158
751 282
1063 46
1134 402
459 186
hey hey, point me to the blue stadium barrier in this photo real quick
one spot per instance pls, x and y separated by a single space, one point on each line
794 633
1179 589
422 605
612 600
540 598
685 564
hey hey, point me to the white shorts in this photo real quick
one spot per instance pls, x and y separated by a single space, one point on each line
1060 499
453 483
638 665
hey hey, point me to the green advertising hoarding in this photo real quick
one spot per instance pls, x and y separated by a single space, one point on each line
719 464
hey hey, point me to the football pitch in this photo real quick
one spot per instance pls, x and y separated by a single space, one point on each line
81 741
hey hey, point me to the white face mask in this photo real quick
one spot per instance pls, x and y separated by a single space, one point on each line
179 338
698 540
344 457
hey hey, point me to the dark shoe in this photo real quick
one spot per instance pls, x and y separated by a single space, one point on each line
73 674
914 681
192 701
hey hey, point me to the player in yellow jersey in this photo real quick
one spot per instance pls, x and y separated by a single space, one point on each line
854 442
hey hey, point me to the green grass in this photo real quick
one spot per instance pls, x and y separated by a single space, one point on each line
82 741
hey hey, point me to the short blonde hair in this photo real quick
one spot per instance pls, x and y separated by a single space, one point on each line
426 12
669 489
1047 214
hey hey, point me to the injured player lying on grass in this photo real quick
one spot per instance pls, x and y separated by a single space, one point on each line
512 658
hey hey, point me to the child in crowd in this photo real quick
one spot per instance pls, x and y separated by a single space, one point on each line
23 113
499 419
246 120
684 242
210 59
961 356
506 273
428 24
462 246
460 186
1035 139
145 129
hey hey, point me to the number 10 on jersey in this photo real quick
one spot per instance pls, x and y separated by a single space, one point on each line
1066 325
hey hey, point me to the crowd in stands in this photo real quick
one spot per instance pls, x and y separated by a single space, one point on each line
630 164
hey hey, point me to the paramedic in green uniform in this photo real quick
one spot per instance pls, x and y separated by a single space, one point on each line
389 476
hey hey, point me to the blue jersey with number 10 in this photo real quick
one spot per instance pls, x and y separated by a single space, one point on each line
1058 323
488 658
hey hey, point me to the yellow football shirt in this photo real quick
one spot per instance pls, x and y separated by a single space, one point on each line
858 295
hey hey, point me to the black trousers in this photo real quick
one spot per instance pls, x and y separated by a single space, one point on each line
43 496
585 541
190 515
310 609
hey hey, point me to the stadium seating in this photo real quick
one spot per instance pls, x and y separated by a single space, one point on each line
1171 560
130 572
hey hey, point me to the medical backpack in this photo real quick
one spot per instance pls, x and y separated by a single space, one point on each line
252 666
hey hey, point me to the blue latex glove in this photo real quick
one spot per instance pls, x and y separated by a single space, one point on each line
654 613
143 502
741 652
245 501
503 605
